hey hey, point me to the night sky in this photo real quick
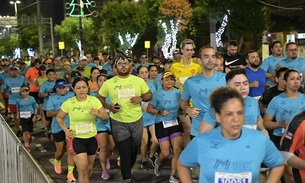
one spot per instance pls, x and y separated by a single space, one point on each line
6 8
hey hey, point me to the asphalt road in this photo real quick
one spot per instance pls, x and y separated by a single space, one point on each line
43 152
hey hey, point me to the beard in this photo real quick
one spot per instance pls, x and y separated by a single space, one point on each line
254 65
126 73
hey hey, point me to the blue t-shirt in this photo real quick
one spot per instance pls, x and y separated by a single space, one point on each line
260 76
251 112
102 126
217 155
199 88
91 65
269 65
12 85
284 108
296 64
108 68
27 105
46 87
137 65
54 104
148 118
73 64
166 100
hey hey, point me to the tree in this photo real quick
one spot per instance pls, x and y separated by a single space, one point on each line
125 18
8 44
174 18
68 31
246 19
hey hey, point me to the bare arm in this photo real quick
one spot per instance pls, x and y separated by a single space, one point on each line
271 125
262 107
205 127
52 113
184 173
275 174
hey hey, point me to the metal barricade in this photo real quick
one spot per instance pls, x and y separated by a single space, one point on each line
16 164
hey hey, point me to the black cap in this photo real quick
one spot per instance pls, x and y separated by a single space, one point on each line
167 61
80 69
75 74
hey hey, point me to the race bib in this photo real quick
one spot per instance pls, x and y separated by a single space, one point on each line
221 177
144 103
107 110
15 89
25 114
182 79
167 124
253 127
84 128
283 130
126 93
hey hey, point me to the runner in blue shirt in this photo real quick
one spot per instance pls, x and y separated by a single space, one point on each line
27 109
11 87
237 79
104 130
230 153
199 88
46 90
165 105
285 106
269 64
149 123
52 106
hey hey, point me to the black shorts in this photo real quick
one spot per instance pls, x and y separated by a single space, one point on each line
89 146
40 100
107 131
59 137
276 140
165 134
27 124
35 95
47 118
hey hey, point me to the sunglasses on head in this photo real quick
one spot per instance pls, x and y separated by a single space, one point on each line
143 57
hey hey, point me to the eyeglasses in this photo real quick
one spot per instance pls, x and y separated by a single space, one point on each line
143 57
118 59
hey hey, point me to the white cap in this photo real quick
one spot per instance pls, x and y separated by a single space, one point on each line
82 58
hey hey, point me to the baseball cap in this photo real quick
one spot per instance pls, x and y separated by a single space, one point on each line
75 74
167 61
120 58
60 84
167 74
24 87
14 68
143 56
67 63
176 51
82 57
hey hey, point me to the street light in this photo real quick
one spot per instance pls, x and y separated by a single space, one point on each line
15 4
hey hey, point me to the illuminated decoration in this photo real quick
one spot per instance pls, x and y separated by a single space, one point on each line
128 41
77 8
170 40
221 30
31 52
79 45
17 53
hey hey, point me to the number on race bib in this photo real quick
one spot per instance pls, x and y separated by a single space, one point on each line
126 93
25 114
15 89
84 128
167 124
221 177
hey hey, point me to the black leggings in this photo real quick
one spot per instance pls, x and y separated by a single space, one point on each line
128 155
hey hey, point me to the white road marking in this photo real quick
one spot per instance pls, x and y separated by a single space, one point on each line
43 150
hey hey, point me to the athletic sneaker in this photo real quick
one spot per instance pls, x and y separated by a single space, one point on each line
28 148
108 165
57 167
105 175
71 178
174 179
158 169
152 160
144 166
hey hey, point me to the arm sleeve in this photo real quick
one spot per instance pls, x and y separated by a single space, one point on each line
273 157
265 65
189 156
42 89
144 87
49 105
65 106
97 103
186 91
209 117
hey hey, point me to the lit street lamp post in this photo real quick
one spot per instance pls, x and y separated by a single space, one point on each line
15 3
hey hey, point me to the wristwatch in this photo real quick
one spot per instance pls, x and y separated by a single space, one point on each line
142 97
159 112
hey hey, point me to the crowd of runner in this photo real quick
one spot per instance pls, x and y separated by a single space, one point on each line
231 115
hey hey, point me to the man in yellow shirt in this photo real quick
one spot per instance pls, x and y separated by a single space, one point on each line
82 62
126 92
183 70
